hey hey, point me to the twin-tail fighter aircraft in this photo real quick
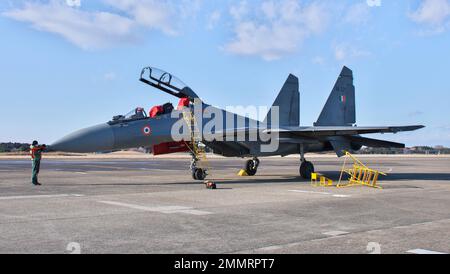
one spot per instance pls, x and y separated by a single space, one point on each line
195 124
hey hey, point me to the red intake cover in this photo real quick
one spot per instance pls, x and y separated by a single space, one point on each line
172 147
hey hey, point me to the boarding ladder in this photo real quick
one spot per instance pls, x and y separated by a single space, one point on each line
359 174
197 148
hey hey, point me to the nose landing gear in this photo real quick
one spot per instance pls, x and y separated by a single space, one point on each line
197 173
306 168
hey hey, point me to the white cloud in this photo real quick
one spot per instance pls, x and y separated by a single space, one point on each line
357 14
73 3
318 60
213 19
345 52
100 29
435 14
373 3
240 10
162 15
109 76
273 29
88 30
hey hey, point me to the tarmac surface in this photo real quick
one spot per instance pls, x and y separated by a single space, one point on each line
153 206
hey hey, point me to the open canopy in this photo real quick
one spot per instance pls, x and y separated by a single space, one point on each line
166 82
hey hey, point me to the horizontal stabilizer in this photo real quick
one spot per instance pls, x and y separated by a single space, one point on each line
340 131
368 142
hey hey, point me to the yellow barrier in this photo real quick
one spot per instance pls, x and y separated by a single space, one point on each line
359 174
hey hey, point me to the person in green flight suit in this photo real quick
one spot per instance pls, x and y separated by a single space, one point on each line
36 155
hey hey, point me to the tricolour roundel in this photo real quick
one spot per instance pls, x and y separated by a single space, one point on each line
147 131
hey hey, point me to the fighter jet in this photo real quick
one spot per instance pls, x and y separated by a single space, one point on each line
195 124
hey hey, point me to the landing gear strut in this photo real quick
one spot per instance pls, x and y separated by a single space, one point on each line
197 173
306 168
251 166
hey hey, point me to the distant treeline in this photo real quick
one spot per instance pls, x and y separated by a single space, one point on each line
437 150
14 147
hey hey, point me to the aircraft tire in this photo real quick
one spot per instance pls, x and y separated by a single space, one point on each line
306 168
251 167
199 174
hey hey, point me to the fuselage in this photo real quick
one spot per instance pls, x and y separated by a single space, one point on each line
222 138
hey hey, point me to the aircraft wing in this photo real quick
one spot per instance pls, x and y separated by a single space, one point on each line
342 131
342 138
312 132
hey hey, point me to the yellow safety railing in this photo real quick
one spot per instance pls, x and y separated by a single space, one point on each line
359 174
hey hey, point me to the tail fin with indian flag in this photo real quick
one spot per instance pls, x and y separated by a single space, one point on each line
339 109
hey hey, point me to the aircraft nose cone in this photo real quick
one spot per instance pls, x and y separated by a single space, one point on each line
94 139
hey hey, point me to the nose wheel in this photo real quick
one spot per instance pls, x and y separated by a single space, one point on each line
199 174
251 166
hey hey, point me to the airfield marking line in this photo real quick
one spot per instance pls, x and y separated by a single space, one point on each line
335 233
39 196
321 193
424 251
160 209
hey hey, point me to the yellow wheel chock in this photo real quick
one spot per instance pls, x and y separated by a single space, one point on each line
318 179
242 173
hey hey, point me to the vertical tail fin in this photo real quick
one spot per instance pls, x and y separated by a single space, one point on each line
288 102
340 107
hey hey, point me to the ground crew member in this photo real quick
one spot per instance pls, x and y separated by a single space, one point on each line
36 155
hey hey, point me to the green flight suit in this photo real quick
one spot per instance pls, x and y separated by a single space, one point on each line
36 165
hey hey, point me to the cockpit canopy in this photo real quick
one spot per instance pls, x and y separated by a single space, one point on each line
135 114
166 78
166 82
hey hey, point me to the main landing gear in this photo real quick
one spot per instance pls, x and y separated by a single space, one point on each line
197 173
251 166
306 168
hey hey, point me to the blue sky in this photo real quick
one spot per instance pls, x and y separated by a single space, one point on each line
68 64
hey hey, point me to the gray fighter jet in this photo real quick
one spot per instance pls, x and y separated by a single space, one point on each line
335 129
